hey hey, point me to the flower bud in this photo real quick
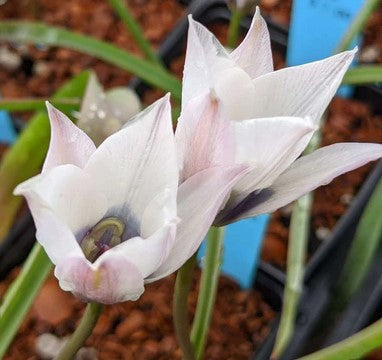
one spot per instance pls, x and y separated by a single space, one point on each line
104 113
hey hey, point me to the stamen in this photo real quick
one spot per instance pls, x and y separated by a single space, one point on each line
104 235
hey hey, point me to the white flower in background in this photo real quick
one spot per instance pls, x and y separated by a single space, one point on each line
266 117
104 113
115 217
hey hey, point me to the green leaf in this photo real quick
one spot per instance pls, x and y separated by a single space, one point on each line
39 33
208 289
357 24
24 159
35 104
363 74
21 294
356 346
124 13
366 240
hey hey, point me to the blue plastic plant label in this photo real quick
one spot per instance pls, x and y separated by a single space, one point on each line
7 132
317 27
242 245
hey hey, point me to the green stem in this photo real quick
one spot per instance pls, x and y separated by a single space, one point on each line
21 294
135 29
34 104
208 289
298 235
354 347
297 245
180 307
234 28
357 25
82 332
39 33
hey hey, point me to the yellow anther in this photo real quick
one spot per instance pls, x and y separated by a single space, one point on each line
90 248
110 222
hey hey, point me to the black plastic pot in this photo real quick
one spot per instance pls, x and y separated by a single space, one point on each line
17 245
365 307
322 274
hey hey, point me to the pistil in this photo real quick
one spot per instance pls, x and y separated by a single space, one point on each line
103 236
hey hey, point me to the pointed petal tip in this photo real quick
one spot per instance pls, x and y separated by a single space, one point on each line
53 112
349 54
257 12
50 107
18 190
306 123
23 188
191 20
167 96
164 102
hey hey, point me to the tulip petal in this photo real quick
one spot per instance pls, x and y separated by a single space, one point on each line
205 60
254 54
161 210
55 237
68 143
118 274
203 137
199 199
235 89
138 162
110 280
268 146
306 174
70 193
209 66
304 90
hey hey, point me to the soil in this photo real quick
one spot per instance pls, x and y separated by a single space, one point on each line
143 329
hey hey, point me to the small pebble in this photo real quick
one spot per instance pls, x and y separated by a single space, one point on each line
41 68
86 353
369 54
9 60
346 199
323 233
47 346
